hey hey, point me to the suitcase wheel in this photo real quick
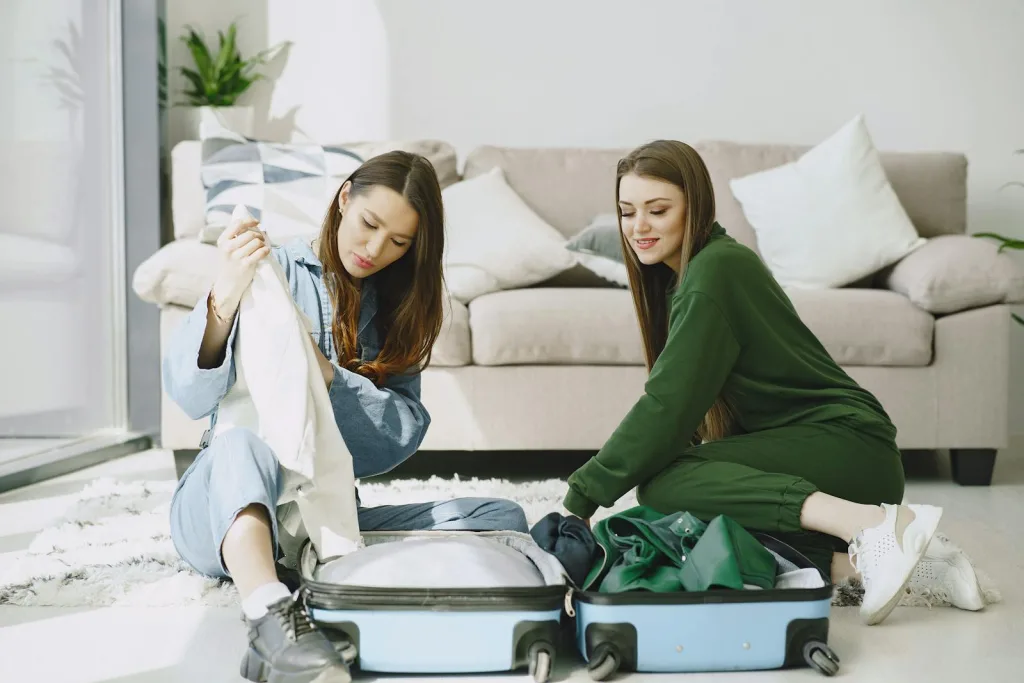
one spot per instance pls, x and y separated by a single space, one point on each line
820 656
540 661
604 662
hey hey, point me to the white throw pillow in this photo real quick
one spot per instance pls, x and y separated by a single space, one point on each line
495 241
830 217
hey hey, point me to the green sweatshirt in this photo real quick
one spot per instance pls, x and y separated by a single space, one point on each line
732 331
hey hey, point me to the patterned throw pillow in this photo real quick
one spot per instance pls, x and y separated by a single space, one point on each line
286 186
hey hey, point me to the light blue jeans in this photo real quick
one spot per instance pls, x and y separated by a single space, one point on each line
238 469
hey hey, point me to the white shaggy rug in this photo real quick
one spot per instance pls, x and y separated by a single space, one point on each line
113 546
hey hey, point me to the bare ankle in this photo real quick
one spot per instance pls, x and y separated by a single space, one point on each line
837 517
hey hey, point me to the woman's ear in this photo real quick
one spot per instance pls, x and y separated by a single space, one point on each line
343 196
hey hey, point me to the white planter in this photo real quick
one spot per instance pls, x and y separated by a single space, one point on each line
239 120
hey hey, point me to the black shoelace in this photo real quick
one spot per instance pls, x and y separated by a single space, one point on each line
293 617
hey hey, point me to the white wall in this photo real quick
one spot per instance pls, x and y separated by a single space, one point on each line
314 89
927 75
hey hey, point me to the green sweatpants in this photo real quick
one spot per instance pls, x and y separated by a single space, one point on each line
761 480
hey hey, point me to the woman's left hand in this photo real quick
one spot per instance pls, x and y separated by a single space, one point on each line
566 513
326 369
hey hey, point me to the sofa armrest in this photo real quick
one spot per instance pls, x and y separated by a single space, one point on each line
972 378
954 273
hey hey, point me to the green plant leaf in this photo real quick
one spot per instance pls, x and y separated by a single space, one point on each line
993 235
1006 242
230 71
219 80
198 96
1017 318
227 49
201 56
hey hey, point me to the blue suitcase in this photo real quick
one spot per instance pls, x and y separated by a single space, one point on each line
724 630
448 630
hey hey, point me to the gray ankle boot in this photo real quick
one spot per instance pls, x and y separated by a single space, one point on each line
286 647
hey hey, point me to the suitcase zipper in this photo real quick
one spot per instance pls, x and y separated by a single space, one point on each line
328 596
569 610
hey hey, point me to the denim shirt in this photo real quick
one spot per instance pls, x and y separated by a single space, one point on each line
382 427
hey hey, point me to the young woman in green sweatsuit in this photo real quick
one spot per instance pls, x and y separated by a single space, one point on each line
744 412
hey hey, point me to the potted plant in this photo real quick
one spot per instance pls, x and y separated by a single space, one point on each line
219 79
1007 242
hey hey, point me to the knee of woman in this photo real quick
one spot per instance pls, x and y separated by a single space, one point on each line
647 494
508 515
238 450
192 547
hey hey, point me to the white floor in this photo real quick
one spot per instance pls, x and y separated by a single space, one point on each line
150 645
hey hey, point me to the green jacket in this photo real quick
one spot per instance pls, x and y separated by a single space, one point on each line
732 331
641 549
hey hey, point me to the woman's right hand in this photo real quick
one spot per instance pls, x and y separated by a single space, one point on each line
242 245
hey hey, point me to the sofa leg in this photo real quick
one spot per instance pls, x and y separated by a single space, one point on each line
973 466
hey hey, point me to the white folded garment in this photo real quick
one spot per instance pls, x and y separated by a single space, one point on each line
280 395
800 578
439 562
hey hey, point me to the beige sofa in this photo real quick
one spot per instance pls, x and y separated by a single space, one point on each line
556 366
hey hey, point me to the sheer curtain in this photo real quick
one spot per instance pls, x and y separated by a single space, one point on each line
61 219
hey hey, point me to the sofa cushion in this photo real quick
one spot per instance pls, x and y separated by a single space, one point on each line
568 187
831 217
453 347
956 272
867 326
931 186
598 327
495 241
555 326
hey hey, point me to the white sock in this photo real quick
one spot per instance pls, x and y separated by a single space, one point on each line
255 606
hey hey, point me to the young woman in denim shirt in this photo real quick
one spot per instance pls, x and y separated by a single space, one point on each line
372 285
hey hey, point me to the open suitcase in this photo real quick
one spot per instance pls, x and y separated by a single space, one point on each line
436 629
723 630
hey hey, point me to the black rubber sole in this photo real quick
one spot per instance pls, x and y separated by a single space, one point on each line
255 668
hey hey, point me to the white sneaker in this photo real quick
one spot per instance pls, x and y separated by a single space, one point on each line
946 575
886 555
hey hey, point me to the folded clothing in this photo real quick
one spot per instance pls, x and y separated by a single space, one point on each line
800 578
642 549
570 541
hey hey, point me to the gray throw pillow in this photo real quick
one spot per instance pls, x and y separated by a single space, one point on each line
598 249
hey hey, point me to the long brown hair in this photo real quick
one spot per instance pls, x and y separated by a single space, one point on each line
409 291
680 164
